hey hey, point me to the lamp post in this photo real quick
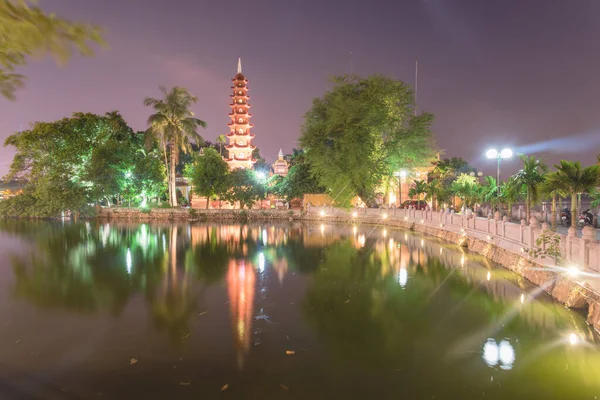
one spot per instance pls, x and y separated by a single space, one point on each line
493 153
400 174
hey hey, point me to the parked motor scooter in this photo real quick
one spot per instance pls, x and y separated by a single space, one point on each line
565 217
586 218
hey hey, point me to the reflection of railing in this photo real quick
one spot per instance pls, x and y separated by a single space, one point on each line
583 251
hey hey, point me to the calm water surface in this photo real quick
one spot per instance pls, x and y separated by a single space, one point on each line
275 311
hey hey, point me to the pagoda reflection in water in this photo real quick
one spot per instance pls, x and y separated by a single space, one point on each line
241 280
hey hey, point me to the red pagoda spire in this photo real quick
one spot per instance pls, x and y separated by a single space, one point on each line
240 146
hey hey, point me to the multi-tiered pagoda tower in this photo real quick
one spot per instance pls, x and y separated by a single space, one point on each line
240 138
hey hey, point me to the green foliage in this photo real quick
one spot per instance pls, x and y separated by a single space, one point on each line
488 192
547 245
466 188
300 180
572 179
78 161
419 188
173 127
511 192
243 187
362 131
208 174
531 177
448 169
26 31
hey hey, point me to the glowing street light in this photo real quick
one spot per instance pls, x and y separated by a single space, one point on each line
493 153
261 175
400 175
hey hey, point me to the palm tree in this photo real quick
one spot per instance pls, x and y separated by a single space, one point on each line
531 176
173 126
221 140
573 180
419 188
432 192
489 191
552 188
511 192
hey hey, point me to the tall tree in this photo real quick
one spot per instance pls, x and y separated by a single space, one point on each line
361 132
221 140
73 162
511 192
173 126
25 31
531 176
208 174
552 188
419 188
300 180
573 179
243 187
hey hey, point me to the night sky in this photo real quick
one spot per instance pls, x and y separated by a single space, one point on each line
494 72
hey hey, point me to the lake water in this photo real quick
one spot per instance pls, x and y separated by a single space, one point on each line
275 311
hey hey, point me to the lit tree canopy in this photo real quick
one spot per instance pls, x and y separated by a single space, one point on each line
77 161
25 31
208 174
361 132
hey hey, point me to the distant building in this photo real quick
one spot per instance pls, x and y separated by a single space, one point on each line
240 146
281 167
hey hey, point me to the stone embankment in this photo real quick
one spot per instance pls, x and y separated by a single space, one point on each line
495 243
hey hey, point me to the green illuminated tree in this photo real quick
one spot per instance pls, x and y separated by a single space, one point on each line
208 174
572 179
174 127
300 180
531 176
243 187
419 188
362 131
26 31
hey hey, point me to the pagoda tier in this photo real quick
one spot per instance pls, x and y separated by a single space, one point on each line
240 148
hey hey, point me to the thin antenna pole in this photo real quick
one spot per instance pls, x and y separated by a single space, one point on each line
351 64
416 82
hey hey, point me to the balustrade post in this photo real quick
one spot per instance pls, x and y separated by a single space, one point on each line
570 238
522 231
588 236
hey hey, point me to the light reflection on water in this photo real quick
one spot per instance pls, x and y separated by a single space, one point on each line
372 312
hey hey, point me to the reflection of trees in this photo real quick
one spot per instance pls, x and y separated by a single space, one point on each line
358 307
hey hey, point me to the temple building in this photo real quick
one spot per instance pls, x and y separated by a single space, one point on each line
280 167
240 146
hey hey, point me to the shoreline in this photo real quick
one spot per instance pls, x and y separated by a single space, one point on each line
573 293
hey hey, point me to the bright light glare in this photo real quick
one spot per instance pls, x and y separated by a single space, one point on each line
506 153
489 276
402 277
128 261
322 213
354 214
492 153
573 271
261 262
507 354
522 298
322 229
261 175
265 237
384 232
491 353
573 339
354 229
384 216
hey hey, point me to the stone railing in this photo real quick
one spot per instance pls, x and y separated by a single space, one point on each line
582 252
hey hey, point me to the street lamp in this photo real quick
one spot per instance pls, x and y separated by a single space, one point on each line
493 153
400 174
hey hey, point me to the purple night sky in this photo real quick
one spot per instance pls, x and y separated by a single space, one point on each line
494 72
